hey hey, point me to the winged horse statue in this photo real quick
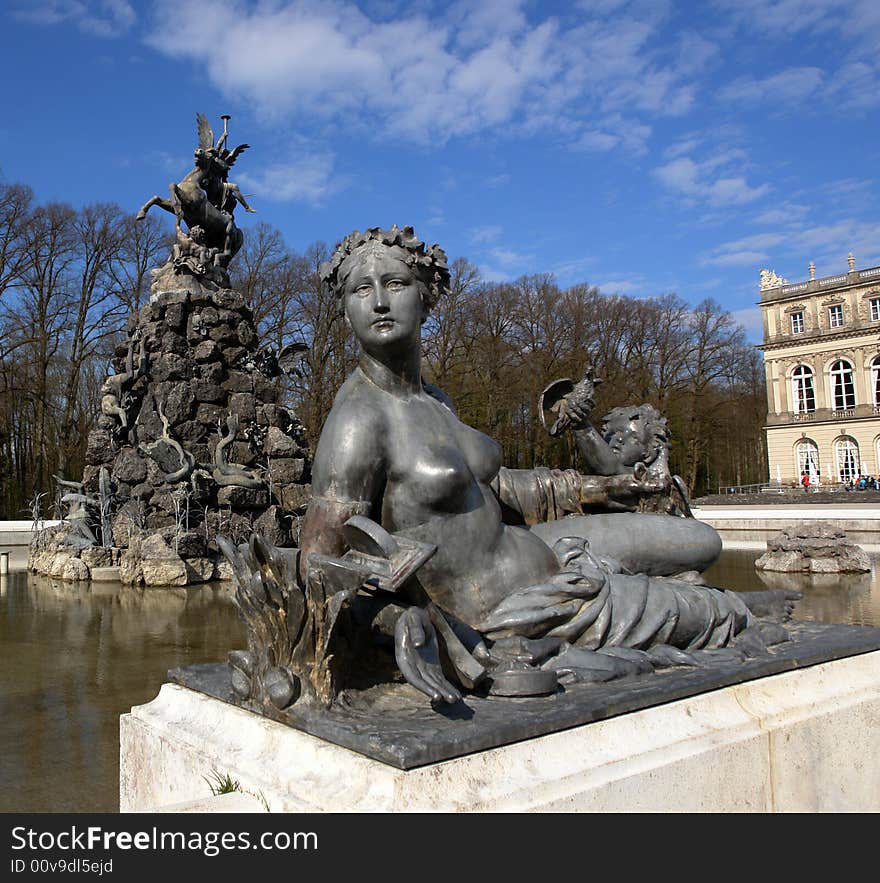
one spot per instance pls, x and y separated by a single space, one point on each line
206 197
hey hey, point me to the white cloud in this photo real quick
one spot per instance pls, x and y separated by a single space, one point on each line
598 141
615 131
428 76
305 178
751 320
330 60
710 180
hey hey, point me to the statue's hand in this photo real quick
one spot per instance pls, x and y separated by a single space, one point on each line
639 484
655 482
415 648
576 410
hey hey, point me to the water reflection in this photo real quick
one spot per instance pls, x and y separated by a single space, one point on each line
72 659
841 598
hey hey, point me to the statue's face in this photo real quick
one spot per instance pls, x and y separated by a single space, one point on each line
383 300
631 444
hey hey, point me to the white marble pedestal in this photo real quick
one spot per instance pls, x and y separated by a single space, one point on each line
801 741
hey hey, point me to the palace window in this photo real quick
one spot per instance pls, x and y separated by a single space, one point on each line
875 309
803 395
843 390
797 322
808 459
835 316
875 381
847 455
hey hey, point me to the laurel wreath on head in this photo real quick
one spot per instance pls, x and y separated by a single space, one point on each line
428 262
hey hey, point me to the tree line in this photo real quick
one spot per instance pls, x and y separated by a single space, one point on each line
69 279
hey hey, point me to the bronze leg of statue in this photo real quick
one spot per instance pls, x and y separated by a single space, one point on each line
156 200
658 545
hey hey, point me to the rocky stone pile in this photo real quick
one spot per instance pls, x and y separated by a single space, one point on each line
194 441
54 553
813 547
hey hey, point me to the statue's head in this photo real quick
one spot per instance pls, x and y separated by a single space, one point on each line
427 263
637 434
209 159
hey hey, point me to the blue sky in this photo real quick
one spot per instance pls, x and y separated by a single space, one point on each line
644 147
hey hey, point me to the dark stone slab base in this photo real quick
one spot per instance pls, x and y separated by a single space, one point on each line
394 724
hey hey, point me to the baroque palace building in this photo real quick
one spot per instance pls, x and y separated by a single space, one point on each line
822 361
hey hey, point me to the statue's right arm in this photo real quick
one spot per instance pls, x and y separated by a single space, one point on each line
599 459
348 476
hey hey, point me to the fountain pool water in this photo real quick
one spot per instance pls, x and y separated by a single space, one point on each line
74 656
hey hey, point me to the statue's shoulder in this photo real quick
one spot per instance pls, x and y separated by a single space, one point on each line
355 416
351 449
357 397
436 393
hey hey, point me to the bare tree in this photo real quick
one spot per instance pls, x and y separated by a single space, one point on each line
35 324
94 313
143 246
715 343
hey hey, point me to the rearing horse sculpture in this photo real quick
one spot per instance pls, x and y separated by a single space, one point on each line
205 197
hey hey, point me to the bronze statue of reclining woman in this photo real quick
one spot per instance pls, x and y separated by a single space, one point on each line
586 595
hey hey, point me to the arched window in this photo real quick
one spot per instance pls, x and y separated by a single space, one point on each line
803 396
808 459
846 451
843 390
875 381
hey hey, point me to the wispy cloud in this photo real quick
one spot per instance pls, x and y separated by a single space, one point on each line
508 258
789 250
487 233
102 18
709 181
737 259
501 180
853 24
614 132
791 84
500 263
772 17
750 319
574 270
785 213
633 285
300 179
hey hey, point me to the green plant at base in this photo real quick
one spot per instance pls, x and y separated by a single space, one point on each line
221 783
